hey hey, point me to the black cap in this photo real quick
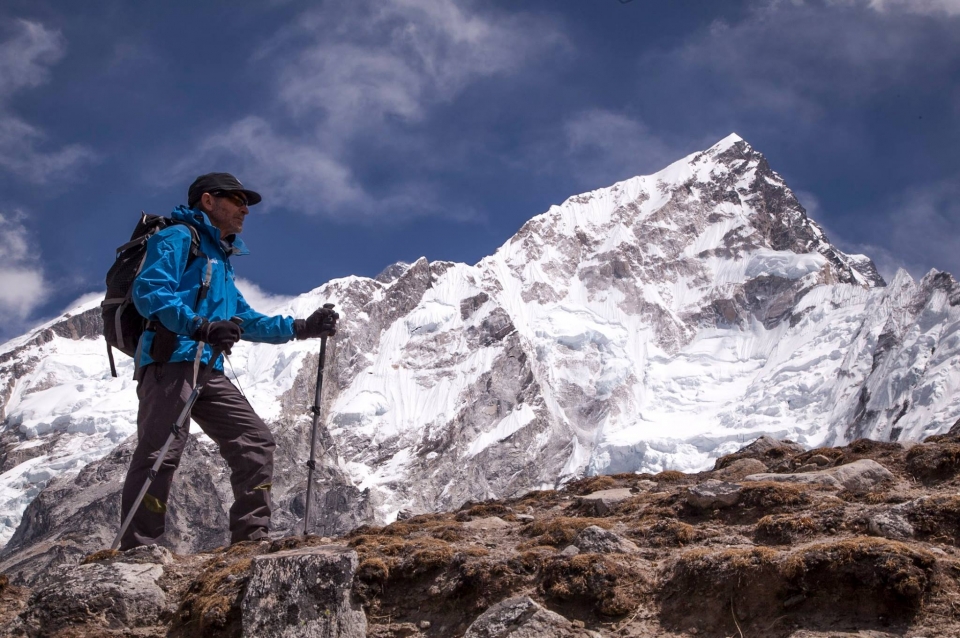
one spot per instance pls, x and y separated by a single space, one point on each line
218 182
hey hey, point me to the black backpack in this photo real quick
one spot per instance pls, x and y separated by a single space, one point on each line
122 324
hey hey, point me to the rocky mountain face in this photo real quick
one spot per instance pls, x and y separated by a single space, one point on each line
657 324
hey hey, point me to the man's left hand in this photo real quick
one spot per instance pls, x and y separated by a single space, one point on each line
322 323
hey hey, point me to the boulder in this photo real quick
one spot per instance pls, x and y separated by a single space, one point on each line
713 494
521 617
803 478
490 522
861 475
740 468
890 524
303 593
604 501
858 476
597 540
120 592
766 449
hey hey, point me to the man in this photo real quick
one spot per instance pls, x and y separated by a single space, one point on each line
189 299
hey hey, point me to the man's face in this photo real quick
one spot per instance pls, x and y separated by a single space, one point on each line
226 212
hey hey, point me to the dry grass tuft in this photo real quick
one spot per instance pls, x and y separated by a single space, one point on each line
560 530
611 588
483 510
669 476
539 499
937 518
770 494
885 571
449 533
590 484
373 570
666 533
96 557
480 583
933 462
211 605
784 529
425 555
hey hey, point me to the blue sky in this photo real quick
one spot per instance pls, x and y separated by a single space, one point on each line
380 131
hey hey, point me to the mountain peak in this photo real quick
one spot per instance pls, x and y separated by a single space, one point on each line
725 143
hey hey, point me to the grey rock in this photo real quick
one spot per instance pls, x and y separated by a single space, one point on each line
303 593
713 494
490 522
857 476
890 524
808 467
739 469
570 551
525 518
646 485
819 459
596 540
766 448
521 617
604 501
861 475
79 515
805 478
113 594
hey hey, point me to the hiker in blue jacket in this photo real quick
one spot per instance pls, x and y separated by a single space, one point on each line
189 297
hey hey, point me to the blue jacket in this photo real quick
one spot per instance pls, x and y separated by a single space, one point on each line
166 289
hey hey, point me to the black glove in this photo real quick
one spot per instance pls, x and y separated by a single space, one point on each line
219 334
322 323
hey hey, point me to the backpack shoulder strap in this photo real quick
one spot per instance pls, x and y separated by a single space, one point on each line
194 253
194 241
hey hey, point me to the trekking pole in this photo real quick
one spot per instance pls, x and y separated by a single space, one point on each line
311 464
174 432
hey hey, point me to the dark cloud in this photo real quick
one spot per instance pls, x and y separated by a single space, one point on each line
25 58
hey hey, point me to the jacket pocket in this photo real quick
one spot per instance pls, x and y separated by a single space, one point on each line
164 344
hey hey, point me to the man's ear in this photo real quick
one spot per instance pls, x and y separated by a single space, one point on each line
206 202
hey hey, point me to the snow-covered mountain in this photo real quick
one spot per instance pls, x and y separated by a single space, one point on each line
658 323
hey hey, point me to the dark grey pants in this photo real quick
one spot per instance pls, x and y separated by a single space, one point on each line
225 416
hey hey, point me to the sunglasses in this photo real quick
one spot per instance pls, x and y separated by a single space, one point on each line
236 198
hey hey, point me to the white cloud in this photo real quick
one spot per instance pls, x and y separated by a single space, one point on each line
26 56
25 59
259 299
923 7
351 69
915 231
22 283
923 226
604 146
368 61
800 61
295 173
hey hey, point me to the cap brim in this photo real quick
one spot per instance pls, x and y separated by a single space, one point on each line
253 197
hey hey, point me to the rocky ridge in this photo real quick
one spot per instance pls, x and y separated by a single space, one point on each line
632 555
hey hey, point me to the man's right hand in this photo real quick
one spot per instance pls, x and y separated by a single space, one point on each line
222 335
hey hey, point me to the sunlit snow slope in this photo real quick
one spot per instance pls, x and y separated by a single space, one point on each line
658 323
